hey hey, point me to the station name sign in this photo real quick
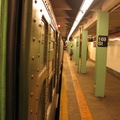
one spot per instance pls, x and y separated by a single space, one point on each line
102 41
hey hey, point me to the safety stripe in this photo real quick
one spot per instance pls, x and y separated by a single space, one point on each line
63 100
83 107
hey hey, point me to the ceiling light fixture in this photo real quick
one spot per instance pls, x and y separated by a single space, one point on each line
84 7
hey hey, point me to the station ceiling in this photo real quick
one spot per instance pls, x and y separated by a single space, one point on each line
66 10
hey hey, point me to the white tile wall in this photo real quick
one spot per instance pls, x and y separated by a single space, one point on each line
91 50
113 54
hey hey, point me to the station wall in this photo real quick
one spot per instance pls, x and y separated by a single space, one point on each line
113 54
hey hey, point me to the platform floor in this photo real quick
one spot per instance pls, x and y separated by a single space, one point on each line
77 100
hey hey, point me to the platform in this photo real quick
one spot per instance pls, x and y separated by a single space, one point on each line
77 95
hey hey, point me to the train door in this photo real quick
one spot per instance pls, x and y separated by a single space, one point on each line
58 64
38 73
51 79
43 75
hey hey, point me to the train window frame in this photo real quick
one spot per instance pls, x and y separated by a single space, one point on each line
52 37
43 19
53 31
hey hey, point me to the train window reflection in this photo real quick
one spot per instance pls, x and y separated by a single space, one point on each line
43 45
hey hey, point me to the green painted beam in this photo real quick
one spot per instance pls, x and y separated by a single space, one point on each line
79 57
101 54
77 50
84 51
74 49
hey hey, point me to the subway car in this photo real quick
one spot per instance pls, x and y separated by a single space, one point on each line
31 53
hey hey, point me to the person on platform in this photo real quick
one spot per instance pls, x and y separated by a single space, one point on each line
71 53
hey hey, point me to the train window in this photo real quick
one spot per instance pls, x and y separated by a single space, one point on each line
52 45
52 38
53 81
50 92
44 40
52 32
50 66
52 49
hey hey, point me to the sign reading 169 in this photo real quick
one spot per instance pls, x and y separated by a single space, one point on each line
102 41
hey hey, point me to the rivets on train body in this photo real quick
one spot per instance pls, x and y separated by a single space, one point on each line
37 84
38 55
32 76
39 25
40 10
36 113
34 20
31 111
33 39
31 94
38 70
33 57
39 41
35 1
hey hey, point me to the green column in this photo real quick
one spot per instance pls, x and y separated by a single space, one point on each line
79 57
72 44
101 53
77 50
74 49
84 51
3 31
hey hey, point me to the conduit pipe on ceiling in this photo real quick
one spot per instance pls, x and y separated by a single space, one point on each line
83 8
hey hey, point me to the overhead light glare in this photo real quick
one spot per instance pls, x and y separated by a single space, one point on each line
84 7
114 39
86 4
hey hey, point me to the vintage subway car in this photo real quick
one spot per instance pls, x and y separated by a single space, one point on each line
31 53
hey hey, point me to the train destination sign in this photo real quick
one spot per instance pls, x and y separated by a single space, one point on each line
102 41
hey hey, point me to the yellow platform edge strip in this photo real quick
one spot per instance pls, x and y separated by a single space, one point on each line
83 107
63 100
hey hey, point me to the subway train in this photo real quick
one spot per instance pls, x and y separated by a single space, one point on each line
31 52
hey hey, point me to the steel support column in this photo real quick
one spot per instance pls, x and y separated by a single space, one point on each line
84 51
101 53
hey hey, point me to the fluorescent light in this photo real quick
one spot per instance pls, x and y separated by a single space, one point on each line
86 4
84 7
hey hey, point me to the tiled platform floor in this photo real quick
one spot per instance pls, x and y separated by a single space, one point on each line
77 97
